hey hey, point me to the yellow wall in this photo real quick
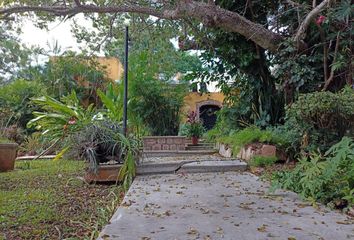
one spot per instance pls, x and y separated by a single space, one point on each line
113 67
193 98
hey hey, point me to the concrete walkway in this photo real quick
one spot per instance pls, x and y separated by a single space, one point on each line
230 205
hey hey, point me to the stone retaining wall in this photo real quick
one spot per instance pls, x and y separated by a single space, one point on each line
247 152
164 143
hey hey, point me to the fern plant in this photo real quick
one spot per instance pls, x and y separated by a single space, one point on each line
327 178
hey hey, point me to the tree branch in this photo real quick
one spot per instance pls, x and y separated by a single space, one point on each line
208 14
300 34
65 10
331 76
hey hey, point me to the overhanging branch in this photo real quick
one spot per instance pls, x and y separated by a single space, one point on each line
208 14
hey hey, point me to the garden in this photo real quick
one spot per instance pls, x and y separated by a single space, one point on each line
287 79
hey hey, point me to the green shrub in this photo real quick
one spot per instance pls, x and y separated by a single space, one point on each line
328 178
220 129
158 104
153 97
212 135
15 101
250 135
69 72
291 137
322 118
263 161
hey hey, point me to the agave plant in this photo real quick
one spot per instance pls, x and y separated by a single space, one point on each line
102 141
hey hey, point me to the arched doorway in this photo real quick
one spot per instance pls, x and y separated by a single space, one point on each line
206 112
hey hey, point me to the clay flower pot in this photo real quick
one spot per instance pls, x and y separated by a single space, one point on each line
8 152
194 140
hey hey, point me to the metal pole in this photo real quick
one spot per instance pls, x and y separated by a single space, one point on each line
125 98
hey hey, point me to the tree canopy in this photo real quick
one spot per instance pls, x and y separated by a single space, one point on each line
208 13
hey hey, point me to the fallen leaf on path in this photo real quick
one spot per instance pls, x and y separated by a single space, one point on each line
344 223
105 237
192 231
262 228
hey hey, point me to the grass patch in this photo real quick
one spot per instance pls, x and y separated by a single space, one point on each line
49 200
262 161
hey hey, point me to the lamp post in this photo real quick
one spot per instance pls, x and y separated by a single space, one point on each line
125 97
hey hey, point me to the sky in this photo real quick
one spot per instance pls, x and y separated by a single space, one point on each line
58 31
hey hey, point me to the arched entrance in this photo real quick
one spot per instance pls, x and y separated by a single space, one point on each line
206 112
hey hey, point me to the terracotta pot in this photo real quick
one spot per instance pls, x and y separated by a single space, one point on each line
105 173
8 152
195 140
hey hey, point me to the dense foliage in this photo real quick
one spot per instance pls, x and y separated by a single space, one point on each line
328 178
259 84
155 98
15 101
62 74
323 118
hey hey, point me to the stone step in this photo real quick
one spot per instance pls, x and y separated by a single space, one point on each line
191 167
189 143
213 166
162 153
191 147
159 168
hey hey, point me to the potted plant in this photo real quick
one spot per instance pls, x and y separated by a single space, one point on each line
194 128
8 152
